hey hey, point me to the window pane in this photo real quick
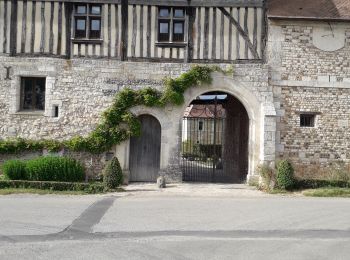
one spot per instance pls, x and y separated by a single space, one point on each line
95 28
178 28
95 25
81 24
95 10
39 89
179 13
178 31
164 27
33 94
27 94
164 12
81 9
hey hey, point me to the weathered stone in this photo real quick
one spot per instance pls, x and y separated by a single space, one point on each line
161 184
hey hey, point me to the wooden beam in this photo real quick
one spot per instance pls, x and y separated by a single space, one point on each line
255 32
24 27
5 27
246 52
109 31
32 34
230 38
241 32
68 7
264 29
190 36
134 31
13 26
124 30
117 54
59 34
52 10
199 31
213 45
222 33
149 24
141 30
206 33
43 26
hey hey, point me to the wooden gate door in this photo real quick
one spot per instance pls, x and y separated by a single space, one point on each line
145 151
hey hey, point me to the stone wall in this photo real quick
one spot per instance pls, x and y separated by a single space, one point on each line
84 88
327 142
309 69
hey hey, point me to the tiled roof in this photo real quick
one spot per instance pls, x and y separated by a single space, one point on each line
309 9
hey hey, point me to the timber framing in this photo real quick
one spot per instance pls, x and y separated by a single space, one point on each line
224 31
184 3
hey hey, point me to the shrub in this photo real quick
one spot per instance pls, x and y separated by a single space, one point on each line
315 184
51 168
112 174
267 174
285 175
14 170
56 186
339 172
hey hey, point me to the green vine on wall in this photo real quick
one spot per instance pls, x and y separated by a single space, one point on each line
118 123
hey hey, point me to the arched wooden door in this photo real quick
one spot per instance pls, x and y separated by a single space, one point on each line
145 151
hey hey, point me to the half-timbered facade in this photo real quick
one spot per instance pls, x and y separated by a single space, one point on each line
176 31
62 62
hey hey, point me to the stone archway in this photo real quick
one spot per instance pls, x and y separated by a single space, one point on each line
215 134
262 126
262 121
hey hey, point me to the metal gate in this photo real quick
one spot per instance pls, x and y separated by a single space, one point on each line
203 142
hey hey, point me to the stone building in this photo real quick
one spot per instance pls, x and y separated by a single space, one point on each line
62 62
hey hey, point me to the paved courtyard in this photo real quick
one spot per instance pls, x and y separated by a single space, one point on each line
184 221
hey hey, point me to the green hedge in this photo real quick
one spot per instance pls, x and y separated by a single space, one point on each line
52 168
49 168
56 186
15 170
315 184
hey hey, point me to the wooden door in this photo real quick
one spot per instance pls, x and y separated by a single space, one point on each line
145 151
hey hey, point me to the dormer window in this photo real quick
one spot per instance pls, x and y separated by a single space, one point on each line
171 24
87 21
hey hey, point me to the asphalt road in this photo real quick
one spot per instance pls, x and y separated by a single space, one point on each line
144 224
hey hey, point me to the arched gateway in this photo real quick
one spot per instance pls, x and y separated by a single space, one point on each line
247 135
215 134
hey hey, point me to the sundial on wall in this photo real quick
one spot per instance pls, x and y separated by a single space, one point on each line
329 37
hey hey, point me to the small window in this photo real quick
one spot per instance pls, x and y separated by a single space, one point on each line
88 21
200 125
33 94
171 23
55 111
307 120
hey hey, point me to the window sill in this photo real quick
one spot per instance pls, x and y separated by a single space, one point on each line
172 44
29 113
91 41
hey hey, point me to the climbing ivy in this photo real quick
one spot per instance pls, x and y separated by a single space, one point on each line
118 123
